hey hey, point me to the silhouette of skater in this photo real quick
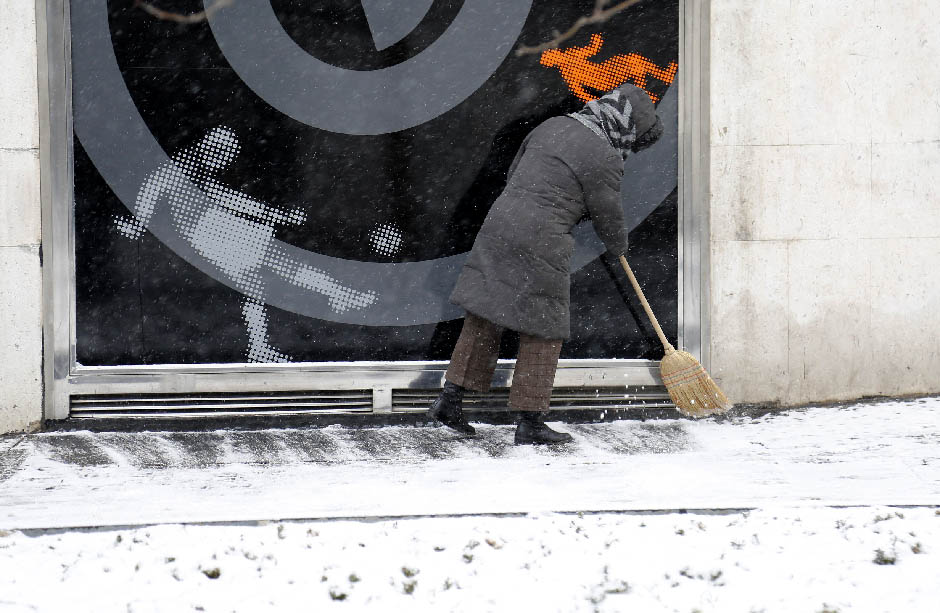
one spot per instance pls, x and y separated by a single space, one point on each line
579 73
234 232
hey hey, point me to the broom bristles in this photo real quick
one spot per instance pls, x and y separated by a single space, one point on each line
689 386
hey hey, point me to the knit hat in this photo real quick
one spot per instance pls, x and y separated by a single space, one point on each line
625 117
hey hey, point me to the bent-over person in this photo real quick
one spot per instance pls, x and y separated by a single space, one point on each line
517 277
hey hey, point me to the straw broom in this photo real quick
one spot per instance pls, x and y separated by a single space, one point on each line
689 386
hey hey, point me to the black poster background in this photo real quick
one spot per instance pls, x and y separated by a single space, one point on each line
137 302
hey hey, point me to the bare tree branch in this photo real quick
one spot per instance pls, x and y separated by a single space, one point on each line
159 13
599 15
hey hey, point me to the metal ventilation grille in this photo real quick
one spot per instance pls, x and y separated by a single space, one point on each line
562 399
220 404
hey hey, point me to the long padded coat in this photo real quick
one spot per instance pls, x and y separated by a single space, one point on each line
517 275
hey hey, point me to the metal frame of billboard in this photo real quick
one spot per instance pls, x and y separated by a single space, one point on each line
65 379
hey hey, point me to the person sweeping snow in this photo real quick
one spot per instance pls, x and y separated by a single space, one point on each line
517 277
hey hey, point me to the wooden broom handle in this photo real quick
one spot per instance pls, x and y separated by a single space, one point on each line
646 306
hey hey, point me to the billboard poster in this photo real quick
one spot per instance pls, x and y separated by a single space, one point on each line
287 181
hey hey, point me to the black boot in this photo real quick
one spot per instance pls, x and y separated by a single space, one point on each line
533 431
447 409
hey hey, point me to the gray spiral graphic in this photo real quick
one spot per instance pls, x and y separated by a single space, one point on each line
127 156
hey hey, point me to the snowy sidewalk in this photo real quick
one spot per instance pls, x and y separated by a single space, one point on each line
798 550
871 454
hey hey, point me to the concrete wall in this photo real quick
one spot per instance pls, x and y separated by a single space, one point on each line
825 181
20 273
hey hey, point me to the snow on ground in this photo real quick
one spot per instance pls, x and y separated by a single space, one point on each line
869 454
846 517
811 559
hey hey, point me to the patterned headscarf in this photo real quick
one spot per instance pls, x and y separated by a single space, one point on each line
625 117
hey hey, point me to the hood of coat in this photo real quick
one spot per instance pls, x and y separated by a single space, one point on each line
625 117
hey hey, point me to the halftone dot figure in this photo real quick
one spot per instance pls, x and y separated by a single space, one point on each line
386 239
580 73
234 232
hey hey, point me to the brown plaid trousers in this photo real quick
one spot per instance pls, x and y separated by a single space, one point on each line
474 361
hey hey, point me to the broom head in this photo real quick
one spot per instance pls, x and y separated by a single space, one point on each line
689 386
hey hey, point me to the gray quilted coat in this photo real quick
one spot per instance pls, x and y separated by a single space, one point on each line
517 275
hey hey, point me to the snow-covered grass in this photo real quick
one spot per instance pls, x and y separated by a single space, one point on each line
809 559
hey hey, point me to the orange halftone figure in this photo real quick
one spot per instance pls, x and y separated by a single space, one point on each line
579 73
